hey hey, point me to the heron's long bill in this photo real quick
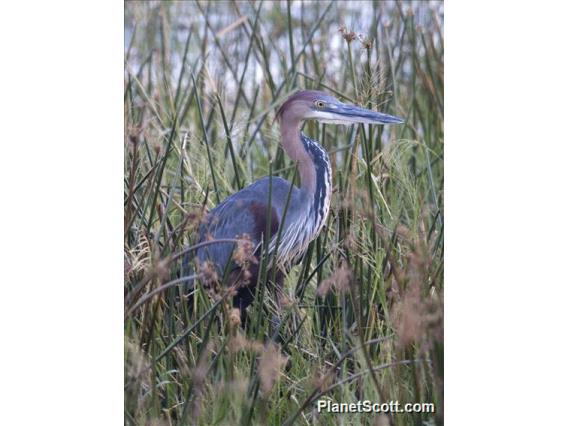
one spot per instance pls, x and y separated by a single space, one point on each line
347 114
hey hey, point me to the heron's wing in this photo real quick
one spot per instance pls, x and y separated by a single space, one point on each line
246 212
234 220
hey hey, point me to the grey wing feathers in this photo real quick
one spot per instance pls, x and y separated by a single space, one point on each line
227 220
244 212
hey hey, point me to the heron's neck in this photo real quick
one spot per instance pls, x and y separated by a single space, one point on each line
294 147
315 172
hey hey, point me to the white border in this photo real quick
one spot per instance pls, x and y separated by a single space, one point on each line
61 213
506 212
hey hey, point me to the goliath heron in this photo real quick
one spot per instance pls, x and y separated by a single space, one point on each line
248 211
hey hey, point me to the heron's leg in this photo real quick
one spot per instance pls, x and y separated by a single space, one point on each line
242 300
244 292
244 317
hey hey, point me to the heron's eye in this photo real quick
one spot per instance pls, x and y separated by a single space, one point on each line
319 104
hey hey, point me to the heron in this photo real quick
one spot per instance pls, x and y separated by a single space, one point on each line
274 207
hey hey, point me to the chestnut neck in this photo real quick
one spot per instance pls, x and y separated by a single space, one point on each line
294 147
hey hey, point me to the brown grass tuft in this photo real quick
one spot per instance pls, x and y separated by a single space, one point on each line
270 366
322 379
340 281
208 273
382 420
235 317
408 317
243 255
240 343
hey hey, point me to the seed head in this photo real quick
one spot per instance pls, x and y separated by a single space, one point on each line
340 281
349 36
270 366
244 253
208 272
235 317
365 41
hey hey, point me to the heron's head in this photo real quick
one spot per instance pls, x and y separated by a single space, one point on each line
316 105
